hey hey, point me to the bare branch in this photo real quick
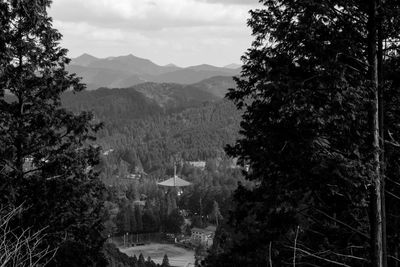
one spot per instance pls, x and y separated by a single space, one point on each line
295 245
392 257
343 223
393 195
321 258
396 183
21 247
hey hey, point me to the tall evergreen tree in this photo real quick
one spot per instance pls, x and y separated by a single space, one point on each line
46 157
139 220
174 222
123 219
141 261
165 261
150 223
132 218
309 92
216 214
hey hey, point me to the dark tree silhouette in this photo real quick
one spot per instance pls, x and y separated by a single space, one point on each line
46 156
312 136
165 262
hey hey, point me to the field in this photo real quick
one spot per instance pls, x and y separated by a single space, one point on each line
177 256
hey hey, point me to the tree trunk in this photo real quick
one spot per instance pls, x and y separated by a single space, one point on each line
381 125
376 190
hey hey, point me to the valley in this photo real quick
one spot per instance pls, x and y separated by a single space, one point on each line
149 129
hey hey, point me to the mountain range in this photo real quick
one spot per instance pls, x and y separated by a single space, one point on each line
129 70
149 97
157 112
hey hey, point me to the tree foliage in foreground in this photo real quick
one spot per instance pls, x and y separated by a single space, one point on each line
307 98
45 156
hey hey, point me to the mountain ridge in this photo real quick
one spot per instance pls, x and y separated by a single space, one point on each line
129 70
159 96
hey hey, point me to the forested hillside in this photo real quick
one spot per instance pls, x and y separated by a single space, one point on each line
157 121
147 129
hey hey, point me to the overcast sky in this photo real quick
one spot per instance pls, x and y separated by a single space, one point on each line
183 32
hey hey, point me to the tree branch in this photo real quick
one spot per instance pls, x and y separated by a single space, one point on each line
320 258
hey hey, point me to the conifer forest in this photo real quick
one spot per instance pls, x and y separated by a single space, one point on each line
290 158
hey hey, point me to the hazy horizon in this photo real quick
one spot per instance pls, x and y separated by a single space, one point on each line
239 64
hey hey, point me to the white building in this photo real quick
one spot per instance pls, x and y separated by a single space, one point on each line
203 236
198 164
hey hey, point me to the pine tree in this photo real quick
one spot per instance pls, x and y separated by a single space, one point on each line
141 261
139 220
132 218
174 222
165 262
149 220
123 219
309 91
46 154
216 214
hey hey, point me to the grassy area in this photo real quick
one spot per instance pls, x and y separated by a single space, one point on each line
177 256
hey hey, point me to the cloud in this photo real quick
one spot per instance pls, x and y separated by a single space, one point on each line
149 14
184 32
84 30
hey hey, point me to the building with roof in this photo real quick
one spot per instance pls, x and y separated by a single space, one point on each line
198 164
203 237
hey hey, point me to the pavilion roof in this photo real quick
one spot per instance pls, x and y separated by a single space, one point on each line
175 181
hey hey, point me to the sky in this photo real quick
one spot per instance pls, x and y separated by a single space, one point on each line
182 32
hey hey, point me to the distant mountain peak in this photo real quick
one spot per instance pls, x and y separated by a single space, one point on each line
132 56
84 60
171 65
86 56
129 56
203 66
133 59
128 70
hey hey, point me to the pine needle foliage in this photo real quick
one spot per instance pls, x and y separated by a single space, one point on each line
306 133
46 151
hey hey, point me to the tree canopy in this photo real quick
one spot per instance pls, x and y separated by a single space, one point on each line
308 101
46 151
